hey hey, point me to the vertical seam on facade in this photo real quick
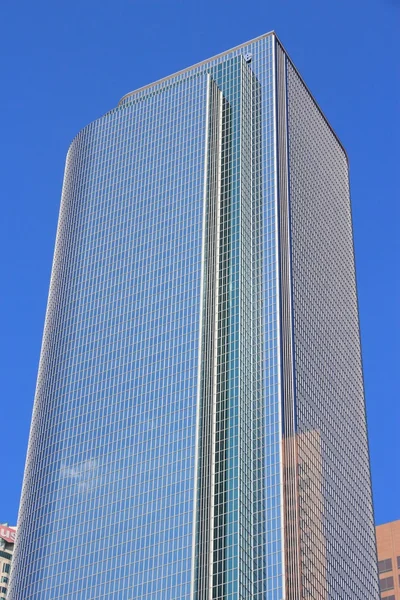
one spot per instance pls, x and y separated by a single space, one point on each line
290 496
201 325
215 351
277 297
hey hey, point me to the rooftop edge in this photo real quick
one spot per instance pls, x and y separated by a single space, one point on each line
202 62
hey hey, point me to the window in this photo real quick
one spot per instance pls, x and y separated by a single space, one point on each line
391 597
4 579
3 590
398 562
385 565
386 584
6 567
6 555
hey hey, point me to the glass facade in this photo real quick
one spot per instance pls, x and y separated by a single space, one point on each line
185 435
334 497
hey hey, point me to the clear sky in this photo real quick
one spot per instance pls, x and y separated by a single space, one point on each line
65 63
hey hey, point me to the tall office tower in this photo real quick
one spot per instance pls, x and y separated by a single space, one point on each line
388 545
199 424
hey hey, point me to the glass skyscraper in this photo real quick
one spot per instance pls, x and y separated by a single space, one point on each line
199 424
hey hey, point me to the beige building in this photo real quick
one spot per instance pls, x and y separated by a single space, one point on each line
7 539
388 546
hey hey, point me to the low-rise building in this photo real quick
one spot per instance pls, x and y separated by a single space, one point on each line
388 547
7 539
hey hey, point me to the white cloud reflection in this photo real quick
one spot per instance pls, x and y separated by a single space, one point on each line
82 475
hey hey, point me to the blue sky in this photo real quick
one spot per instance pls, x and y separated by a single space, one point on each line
66 63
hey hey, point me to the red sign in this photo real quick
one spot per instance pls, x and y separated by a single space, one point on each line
7 533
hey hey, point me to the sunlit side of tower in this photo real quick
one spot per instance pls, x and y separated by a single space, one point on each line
199 423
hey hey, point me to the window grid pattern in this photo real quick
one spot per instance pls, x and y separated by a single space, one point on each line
228 438
250 402
209 440
336 517
274 581
108 504
233 557
226 546
101 348
107 507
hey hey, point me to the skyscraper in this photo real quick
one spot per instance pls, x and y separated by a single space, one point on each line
199 423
